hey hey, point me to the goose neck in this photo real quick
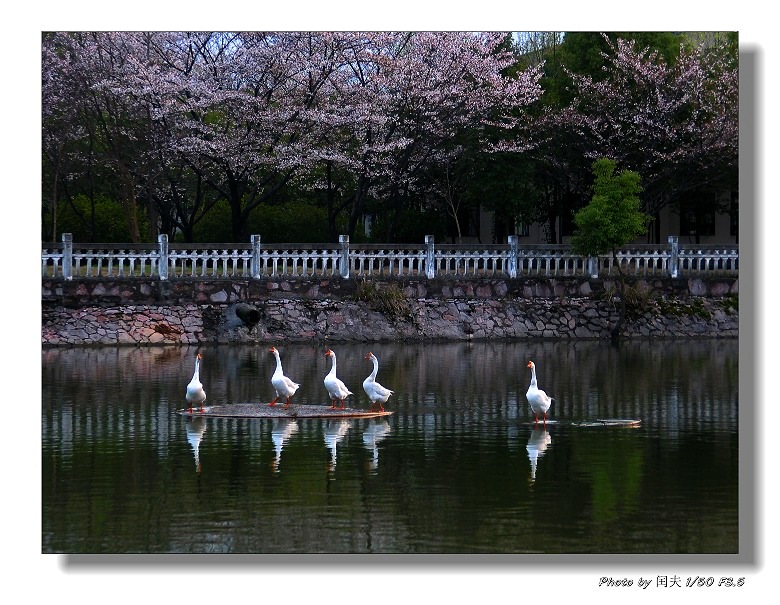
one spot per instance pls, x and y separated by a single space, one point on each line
375 361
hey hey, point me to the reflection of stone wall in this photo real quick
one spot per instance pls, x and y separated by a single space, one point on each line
192 311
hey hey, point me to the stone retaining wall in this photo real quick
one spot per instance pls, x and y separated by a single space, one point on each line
141 312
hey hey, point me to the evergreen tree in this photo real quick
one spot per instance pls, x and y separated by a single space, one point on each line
611 220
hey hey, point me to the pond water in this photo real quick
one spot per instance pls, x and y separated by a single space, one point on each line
458 468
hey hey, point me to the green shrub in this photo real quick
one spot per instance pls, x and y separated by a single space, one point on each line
214 226
109 220
411 227
291 222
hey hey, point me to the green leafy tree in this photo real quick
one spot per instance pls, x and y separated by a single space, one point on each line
611 220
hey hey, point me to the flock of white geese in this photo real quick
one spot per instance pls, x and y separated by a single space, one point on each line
378 395
285 387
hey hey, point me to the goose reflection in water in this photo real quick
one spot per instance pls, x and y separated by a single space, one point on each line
372 435
538 443
335 430
195 429
281 432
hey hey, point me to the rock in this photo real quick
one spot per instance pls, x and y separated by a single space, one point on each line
303 319
696 287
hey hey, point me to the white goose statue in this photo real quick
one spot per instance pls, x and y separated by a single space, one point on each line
539 401
195 393
284 386
377 394
337 390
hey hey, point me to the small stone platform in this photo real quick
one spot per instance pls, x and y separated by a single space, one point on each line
617 422
263 410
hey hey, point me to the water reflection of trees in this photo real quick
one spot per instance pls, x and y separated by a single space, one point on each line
679 386
116 454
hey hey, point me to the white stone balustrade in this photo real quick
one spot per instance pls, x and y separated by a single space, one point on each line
257 260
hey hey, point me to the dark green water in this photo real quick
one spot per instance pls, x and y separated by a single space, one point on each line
459 468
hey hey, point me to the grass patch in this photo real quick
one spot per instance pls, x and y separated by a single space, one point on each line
677 308
729 303
641 301
638 300
388 299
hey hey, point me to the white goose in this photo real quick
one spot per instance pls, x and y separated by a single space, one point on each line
539 400
337 390
284 386
375 391
195 393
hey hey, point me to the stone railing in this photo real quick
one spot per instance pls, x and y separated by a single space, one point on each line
255 260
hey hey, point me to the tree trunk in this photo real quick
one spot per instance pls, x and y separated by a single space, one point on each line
154 215
358 202
333 211
130 204
236 220
236 214
615 334
54 204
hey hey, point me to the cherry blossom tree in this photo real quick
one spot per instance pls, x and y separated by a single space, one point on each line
674 124
407 103
60 128
106 128
169 110
184 119
367 122
357 116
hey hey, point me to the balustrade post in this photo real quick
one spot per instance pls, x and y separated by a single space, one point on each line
430 258
344 264
162 261
593 266
255 267
674 255
512 240
67 256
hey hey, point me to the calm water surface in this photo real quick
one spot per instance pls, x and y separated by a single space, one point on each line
459 467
